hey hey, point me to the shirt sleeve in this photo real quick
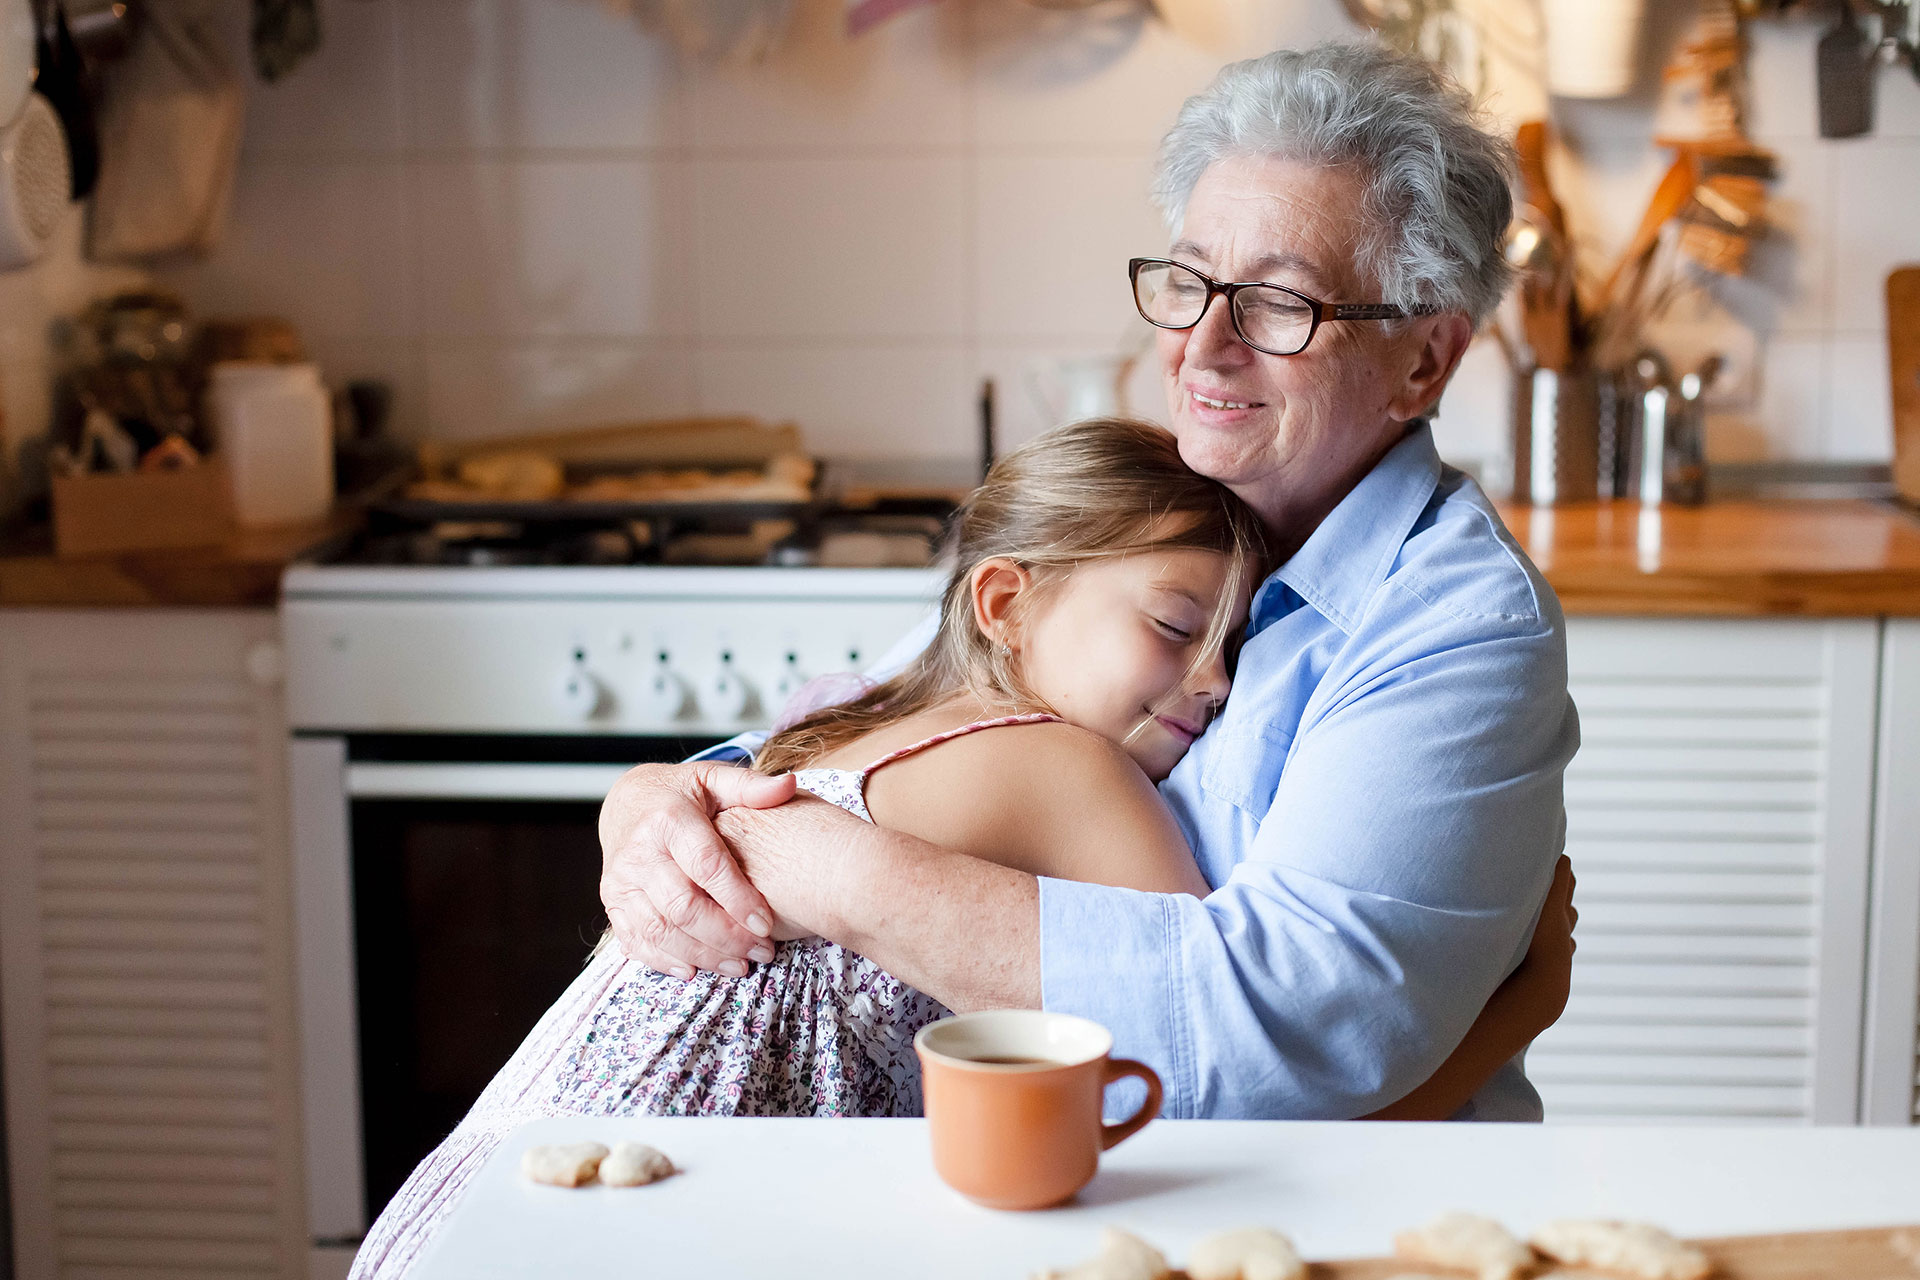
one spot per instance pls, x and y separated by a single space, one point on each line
738 749
1396 855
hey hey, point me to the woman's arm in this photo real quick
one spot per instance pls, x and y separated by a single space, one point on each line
1526 1004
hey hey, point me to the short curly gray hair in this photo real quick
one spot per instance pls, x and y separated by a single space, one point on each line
1438 199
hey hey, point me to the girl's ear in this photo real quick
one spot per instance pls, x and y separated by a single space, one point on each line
997 584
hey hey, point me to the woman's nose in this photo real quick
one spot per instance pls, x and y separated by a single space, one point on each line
1213 341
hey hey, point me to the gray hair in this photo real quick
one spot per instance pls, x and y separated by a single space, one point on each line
1437 200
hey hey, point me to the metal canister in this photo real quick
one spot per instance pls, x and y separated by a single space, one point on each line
1556 428
1667 458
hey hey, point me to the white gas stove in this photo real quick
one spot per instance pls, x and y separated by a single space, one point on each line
454 729
550 650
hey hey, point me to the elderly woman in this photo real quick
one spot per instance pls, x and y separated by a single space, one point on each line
1378 809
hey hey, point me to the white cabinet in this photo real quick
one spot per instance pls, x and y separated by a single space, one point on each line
1890 1090
152 1099
1717 816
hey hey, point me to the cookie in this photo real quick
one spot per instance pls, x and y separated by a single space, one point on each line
1465 1242
1122 1256
1624 1248
562 1164
1252 1253
634 1164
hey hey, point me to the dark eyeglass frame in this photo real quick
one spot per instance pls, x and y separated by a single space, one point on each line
1320 311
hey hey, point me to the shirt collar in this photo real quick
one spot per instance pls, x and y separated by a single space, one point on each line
1339 566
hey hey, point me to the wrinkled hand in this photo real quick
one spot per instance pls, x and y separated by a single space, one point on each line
676 898
798 857
1548 968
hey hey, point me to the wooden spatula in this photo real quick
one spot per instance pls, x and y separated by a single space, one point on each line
1903 361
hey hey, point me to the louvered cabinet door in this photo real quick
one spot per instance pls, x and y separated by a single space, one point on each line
1891 1075
152 1114
1718 819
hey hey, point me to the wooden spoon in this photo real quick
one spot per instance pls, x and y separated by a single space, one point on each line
1547 308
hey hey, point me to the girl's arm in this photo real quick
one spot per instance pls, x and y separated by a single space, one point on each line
1526 1004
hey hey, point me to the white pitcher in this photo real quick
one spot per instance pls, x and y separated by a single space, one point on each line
1077 387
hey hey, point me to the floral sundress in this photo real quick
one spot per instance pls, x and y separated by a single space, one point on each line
816 1031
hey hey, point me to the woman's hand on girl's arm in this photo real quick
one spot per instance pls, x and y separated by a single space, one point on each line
674 895
964 930
1526 1004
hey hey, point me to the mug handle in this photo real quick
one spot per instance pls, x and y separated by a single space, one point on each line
1112 1135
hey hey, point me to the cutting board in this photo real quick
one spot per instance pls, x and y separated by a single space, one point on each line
1903 358
1882 1253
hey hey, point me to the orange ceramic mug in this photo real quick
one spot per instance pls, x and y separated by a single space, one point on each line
1013 1103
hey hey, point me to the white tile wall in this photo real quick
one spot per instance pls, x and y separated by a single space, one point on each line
533 74
831 247
1055 233
531 213
491 388
903 89
551 247
324 241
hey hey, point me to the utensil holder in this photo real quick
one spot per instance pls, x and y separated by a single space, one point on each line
1556 436
1657 450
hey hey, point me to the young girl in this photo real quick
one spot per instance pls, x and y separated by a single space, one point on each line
1085 640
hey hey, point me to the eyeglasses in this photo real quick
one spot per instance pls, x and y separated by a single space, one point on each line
1268 317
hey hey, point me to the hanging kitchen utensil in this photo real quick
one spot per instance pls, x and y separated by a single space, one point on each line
1903 361
1843 61
34 182
33 148
103 30
62 79
285 34
170 122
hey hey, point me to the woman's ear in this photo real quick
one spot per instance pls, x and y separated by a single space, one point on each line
997 584
1444 341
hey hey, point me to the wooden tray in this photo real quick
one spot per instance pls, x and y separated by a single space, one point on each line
1880 1253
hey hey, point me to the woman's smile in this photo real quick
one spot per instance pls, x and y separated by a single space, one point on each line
1221 406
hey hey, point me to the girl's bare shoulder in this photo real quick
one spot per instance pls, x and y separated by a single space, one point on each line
1044 798
1011 762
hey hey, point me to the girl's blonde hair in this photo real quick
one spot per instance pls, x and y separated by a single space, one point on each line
1092 490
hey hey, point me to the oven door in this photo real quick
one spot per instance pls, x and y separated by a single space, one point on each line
446 892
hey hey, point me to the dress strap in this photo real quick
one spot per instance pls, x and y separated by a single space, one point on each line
1037 717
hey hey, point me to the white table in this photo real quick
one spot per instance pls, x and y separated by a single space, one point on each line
801 1198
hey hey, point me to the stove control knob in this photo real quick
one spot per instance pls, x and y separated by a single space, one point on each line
581 693
789 681
727 697
664 696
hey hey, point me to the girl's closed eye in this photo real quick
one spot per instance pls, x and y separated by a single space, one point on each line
1173 630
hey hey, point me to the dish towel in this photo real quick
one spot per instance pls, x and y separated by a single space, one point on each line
170 118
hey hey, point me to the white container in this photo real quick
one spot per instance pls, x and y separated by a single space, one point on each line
274 425
1593 46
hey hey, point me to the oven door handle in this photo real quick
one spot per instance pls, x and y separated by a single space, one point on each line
410 781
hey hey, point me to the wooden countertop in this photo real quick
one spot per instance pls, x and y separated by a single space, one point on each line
1730 558
242 572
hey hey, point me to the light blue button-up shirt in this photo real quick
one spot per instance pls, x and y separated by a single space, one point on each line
1378 808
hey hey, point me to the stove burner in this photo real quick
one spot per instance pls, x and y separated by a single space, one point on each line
832 538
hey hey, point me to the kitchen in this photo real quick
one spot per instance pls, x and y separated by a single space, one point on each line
548 216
